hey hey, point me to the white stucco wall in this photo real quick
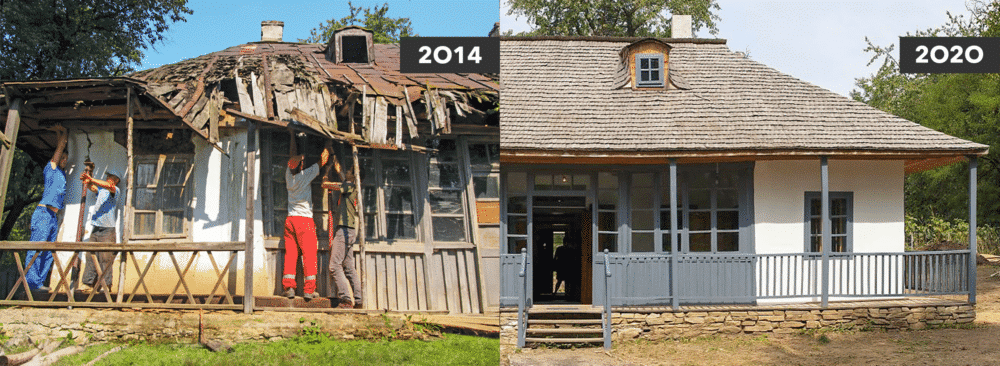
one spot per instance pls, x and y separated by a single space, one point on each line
779 205
218 209
779 201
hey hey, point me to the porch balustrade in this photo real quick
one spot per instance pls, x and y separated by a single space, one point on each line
124 293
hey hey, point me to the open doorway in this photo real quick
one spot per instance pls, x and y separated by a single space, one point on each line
558 252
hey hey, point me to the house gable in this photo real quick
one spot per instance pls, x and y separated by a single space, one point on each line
351 44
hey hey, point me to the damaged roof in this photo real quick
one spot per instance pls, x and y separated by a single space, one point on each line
563 96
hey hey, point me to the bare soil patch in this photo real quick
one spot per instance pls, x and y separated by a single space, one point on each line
975 344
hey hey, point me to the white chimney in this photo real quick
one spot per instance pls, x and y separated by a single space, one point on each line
270 30
681 26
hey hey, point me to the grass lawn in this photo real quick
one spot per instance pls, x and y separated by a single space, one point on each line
305 350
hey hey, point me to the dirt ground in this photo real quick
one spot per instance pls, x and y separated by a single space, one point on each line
970 345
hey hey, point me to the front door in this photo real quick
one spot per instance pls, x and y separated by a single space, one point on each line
557 235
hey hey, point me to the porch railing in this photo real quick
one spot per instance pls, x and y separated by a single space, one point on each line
606 323
522 320
645 279
137 294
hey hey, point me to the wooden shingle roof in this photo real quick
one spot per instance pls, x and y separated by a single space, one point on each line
560 97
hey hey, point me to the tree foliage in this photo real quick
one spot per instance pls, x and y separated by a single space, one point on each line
962 105
635 18
49 39
384 28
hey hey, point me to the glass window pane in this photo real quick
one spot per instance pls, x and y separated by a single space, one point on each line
278 225
607 181
643 63
839 244
367 169
398 199
370 201
665 220
728 220
486 186
144 174
700 221
173 222
396 171
445 176
279 194
642 242
815 225
642 180
839 225
702 179
145 223
838 207
642 220
654 63
445 202
816 243
607 241
701 242
699 199
642 198
449 228
399 226
370 228
514 245
447 151
172 198
278 174
517 184
581 182
729 242
654 75
173 173
815 208
607 221
145 199
517 225
543 182
517 205
478 156
607 199
727 198
644 75
667 247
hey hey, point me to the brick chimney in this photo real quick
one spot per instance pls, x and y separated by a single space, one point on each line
680 27
270 30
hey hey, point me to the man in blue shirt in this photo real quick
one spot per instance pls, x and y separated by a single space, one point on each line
103 223
44 222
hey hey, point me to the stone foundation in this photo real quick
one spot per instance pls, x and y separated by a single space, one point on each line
22 324
655 325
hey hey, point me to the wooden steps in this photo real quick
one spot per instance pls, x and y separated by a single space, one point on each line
579 325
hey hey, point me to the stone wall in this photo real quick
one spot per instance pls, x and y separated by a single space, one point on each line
690 324
22 324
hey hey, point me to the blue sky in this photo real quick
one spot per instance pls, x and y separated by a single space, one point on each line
219 24
821 42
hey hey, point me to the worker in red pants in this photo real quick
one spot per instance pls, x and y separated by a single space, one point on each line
300 230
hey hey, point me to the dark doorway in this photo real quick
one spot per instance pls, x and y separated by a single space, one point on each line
558 224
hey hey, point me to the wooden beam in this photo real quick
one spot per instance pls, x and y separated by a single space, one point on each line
7 151
249 235
157 246
268 94
973 249
198 90
689 157
129 186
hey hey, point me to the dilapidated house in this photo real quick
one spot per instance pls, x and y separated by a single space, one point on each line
690 176
204 143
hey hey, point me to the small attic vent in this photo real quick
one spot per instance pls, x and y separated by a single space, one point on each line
351 44
355 49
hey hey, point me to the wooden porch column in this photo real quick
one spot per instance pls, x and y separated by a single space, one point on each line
248 301
7 154
675 301
129 171
973 176
824 173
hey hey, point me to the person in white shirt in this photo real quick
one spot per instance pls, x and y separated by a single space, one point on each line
300 230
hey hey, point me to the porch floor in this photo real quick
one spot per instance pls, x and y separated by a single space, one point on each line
833 305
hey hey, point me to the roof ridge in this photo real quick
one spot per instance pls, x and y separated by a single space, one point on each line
613 39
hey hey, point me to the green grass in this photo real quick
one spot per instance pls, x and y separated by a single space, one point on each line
306 350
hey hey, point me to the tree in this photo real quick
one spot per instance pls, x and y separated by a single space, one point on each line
635 18
384 29
962 105
50 39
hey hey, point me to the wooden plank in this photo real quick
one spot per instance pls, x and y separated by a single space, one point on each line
129 185
62 304
200 89
461 271
391 282
214 105
369 283
421 287
246 103
177 246
381 285
7 153
379 120
411 122
411 283
451 286
402 300
399 126
475 286
248 236
259 109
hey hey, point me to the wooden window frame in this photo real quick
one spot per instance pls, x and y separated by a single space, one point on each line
652 83
269 180
848 217
460 161
380 210
481 172
160 160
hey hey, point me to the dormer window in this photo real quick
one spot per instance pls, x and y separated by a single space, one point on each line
649 69
351 44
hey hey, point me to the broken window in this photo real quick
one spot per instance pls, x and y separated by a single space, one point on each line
649 69
354 48
273 181
446 193
387 191
162 196
485 161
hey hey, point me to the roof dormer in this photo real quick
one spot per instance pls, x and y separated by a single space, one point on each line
351 44
647 62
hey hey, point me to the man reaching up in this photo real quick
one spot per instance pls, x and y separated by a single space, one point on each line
300 230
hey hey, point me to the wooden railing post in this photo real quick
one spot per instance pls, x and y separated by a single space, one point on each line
129 186
825 217
675 248
7 149
973 176
248 300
